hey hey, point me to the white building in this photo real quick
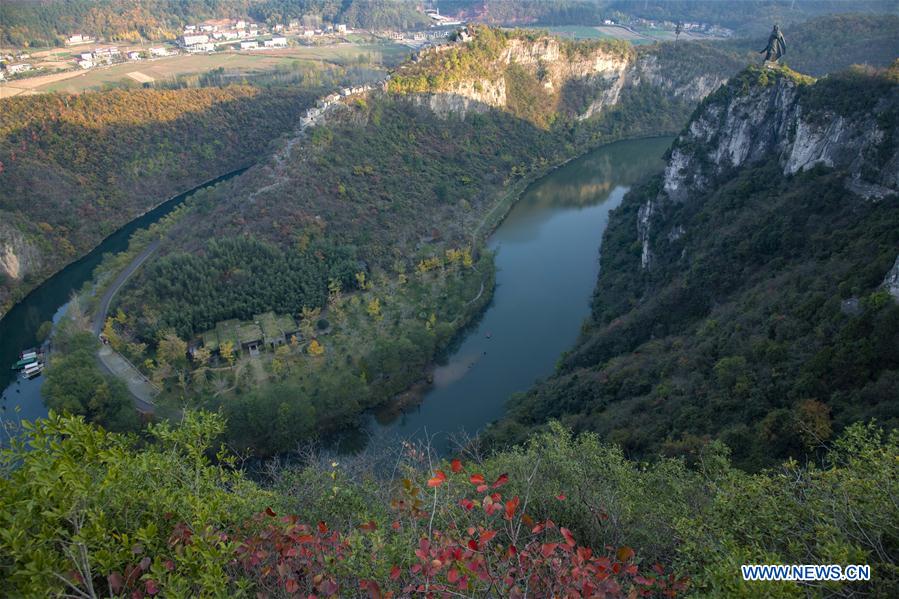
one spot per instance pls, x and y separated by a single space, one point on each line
191 40
134 56
275 42
85 64
341 28
200 48
159 51
249 45
12 69
241 24
78 38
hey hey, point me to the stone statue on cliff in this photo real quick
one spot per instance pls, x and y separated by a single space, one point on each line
777 46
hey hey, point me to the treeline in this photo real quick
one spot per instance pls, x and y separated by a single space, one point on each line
27 23
744 16
763 324
237 278
558 516
74 168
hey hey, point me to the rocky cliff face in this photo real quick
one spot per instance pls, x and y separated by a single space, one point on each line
18 257
598 76
891 281
776 114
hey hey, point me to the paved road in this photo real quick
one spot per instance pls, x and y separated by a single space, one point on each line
142 391
103 308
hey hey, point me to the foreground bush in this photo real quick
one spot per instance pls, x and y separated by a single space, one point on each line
87 513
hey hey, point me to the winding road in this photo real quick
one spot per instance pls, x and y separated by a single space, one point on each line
141 389
106 300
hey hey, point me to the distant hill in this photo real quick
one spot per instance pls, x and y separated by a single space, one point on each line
40 23
747 17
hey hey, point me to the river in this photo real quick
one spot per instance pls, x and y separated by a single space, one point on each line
547 258
21 398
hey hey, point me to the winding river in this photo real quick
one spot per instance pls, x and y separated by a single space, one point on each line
547 256
21 398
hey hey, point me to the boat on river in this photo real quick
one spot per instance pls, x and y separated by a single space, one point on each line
23 362
34 369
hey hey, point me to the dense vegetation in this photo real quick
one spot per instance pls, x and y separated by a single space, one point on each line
74 168
240 277
370 223
85 511
763 324
76 385
29 23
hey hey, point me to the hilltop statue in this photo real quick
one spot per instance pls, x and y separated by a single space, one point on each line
777 46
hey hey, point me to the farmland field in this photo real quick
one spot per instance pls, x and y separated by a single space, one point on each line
163 69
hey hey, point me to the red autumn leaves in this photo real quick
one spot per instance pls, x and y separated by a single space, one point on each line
496 550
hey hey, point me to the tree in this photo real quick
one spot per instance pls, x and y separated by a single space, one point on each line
373 307
315 348
172 350
43 331
226 349
308 317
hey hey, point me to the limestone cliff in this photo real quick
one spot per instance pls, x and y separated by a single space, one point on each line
535 76
777 114
18 257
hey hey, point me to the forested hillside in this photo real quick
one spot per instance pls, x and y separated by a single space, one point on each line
32 23
740 295
745 16
75 168
373 220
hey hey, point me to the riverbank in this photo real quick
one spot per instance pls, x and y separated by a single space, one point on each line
48 301
545 245
25 292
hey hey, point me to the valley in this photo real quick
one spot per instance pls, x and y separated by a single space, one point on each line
525 315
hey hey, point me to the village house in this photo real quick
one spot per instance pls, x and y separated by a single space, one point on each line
192 40
275 42
78 38
159 51
249 45
200 48
134 55
341 28
265 331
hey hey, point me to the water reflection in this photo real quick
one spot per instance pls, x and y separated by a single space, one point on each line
547 263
